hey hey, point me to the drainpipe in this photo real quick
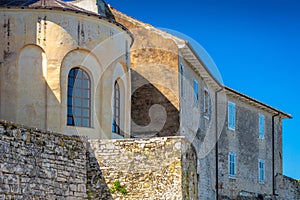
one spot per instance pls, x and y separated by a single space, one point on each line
217 148
273 152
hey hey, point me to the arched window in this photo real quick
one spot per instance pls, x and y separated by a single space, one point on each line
116 118
79 98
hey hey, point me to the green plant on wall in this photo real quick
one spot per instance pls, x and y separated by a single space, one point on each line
118 187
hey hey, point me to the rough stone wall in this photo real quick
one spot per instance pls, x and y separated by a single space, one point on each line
146 168
40 165
287 188
198 128
154 74
249 148
189 173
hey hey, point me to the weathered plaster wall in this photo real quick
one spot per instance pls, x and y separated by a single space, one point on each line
156 168
40 165
38 49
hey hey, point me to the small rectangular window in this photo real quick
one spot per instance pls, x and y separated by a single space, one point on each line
206 102
261 126
231 115
196 96
232 164
261 171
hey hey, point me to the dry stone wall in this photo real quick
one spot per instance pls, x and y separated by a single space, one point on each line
46 165
40 165
143 168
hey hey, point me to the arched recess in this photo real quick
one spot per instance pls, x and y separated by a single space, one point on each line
122 77
31 93
88 62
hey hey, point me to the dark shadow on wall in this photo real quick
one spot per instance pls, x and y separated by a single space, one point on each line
189 172
96 187
144 96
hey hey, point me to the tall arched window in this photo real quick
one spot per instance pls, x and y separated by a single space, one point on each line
116 119
79 98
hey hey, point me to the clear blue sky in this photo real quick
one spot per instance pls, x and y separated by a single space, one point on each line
254 43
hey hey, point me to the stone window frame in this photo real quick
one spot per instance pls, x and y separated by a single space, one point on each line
261 126
232 165
231 115
83 97
261 171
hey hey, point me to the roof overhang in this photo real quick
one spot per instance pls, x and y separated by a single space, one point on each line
190 55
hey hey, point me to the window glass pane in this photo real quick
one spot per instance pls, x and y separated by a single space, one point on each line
70 101
71 74
85 122
86 93
85 103
85 112
70 91
113 129
77 121
78 83
77 102
70 82
70 110
79 74
77 92
77 112
86 84
70 121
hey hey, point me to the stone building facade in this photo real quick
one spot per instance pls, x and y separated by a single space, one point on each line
226 146
200 98
42 41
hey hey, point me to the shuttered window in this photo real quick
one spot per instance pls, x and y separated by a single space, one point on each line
231 115
196 95
261 126
232 164
261 171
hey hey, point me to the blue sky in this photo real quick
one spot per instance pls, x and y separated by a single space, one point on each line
254 43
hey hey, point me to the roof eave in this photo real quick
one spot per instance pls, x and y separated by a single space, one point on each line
190 55
259 104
